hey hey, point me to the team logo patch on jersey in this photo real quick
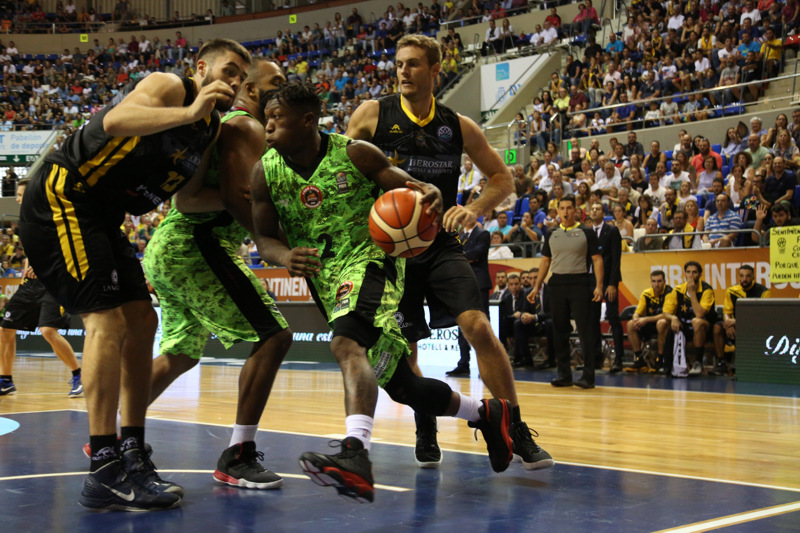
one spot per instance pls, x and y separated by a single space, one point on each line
311 197
396 129
342 305
419 139
341 182
344 289
445 133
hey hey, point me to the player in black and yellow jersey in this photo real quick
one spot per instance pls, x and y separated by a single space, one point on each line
427 139
690 308
725 331
642 325
131 156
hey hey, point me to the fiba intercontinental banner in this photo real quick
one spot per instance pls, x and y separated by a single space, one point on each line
719 270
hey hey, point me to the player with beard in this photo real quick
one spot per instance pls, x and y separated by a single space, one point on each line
153 139
427 139
725 330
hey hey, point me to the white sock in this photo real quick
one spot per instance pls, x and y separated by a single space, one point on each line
119 423
468 408
360 427
243 434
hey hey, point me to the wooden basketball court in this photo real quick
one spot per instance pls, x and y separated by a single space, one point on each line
638 453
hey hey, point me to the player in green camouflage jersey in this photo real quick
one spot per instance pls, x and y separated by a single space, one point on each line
319 189
203 286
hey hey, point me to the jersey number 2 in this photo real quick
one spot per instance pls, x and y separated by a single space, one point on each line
327 253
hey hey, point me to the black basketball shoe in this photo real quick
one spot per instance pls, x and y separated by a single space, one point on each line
533 457
349 471
110 488
141 469
239 466
494 424
427 451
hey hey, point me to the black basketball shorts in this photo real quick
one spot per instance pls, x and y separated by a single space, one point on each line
33 306
442 276
76 247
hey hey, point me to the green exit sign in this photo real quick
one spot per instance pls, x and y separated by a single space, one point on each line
510 157
19 159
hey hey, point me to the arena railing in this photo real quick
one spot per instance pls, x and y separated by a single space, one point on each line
643 103
762 239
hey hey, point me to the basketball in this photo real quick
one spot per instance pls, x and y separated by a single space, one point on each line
398 223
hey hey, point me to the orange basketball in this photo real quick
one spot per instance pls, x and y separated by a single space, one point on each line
398 223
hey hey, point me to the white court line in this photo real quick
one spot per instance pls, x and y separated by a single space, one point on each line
390 488
603 467
738 518
586 465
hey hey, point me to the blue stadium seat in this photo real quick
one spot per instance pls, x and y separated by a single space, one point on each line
796 197
525 206
702 211
669 165
458 198
716 147
668 153
726 169
517 207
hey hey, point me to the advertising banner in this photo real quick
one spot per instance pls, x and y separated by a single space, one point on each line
498 78
784 254
24 143
719 270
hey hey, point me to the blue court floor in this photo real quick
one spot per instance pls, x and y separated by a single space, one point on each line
40 478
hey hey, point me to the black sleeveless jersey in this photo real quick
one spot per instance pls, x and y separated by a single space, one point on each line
134 174
430 149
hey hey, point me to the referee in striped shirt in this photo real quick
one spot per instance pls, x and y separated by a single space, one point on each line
570 249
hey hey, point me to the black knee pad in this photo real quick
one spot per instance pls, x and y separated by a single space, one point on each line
423 395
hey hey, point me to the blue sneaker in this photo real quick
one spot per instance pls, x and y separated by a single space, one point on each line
77 388
111 488
7 388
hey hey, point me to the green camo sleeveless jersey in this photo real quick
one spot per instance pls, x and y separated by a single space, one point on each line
194 300
330 211
233 232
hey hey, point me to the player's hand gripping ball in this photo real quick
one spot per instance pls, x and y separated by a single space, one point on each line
399 225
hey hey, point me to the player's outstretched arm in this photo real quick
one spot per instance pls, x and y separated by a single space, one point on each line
371 162
156 104
241 145
267 234
364 121
499 183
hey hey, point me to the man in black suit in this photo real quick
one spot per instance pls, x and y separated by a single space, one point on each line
501 284
535 321
610 246
476 248
510 308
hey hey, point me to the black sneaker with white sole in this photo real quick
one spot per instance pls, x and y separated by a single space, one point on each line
532 455
239 466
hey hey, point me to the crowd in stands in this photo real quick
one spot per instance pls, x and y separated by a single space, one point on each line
28 16
673 62
350 60
746 180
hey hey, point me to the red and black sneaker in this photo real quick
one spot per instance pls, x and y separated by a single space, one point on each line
349 471
494 424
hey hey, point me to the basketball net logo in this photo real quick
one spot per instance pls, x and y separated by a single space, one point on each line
311 197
